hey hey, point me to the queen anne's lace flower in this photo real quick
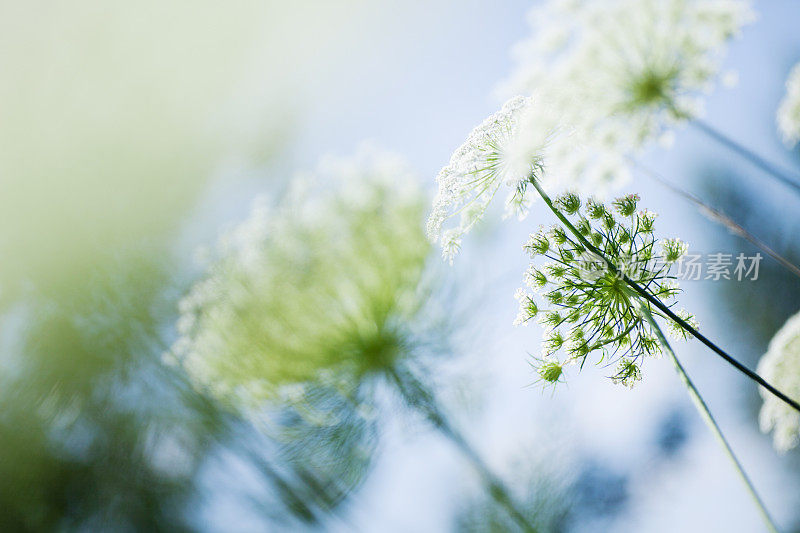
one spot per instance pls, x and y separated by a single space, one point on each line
788 117
489 159
588 307
621 73
324 284
781 367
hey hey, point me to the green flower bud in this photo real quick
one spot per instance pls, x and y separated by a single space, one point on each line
570 203
674 249
628 373
595 209
584 227
558 235
626 206
645 221
554 297
550 370
537 244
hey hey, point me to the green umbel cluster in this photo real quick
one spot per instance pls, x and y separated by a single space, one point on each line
583 295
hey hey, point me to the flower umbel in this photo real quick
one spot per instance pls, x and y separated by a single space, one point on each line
324 284
621 73
788 117
781 366
587 306
478 169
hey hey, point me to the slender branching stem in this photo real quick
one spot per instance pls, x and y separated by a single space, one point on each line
420 398
785 177
705 413
660 305
718 216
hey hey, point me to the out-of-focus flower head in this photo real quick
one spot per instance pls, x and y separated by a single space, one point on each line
781 367
584 305
621 73
318 289
788 117
491 158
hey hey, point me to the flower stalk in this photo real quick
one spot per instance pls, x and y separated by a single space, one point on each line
683 324
419 397
705 413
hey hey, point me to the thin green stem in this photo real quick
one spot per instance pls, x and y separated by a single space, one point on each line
420 398
705 413
660 305
781 175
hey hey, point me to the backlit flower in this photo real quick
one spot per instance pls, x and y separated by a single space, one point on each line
585 306
488 161
788 117
781 367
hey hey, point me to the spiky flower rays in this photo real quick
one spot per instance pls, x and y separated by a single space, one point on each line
587 307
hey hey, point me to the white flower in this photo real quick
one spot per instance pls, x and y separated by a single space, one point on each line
490 158
527 307
788 117
781 367
325 280
675 330
673 250
620 73
451 244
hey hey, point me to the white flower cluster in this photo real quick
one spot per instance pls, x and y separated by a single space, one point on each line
503 151
788 117
487 160
621 73
585 305
604 78
781 367
312 287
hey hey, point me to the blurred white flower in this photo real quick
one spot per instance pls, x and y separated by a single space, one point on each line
620 73
781 367
788 117
323 284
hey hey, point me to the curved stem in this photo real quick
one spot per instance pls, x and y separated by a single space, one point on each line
660 305
705 413
718 216
784 177
419 397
